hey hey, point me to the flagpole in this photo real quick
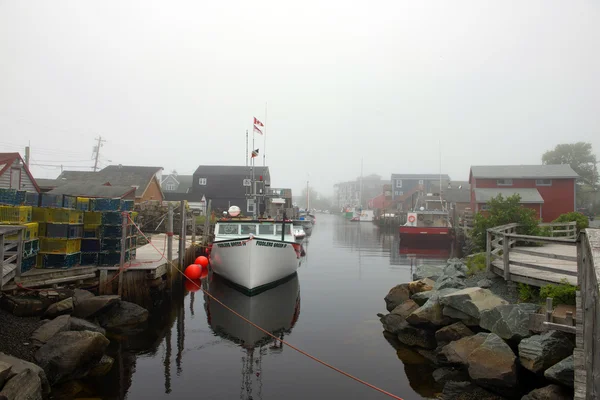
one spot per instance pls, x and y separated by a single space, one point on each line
265 138
246 147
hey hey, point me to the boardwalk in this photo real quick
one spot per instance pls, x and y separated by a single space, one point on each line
548 268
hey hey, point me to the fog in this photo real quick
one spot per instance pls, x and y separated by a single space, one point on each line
176 84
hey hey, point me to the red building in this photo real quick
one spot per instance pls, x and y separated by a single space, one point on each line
548 189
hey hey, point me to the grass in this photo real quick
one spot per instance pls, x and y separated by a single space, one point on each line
476 263
562 293
528 293
201 218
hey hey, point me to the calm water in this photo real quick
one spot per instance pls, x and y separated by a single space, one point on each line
195 349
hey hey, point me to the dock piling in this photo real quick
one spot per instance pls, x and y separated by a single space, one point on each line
170 243
124 222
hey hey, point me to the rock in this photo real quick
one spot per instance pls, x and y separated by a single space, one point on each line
19 366
562 372
540 352
70 355
78 324
445 374
60 308
405 309
92 306
510 321
396 296
452 333
392 323
45 332
421 298
429 314
456 268
68 390
485 283
428 354
103 367
26 385
422 285
124 316
458 352
413 336
22 306
550 392
492 364
472 301
464 318
449 282
428 271
5 369
79 295
466 391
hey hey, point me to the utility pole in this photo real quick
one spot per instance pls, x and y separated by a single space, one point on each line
97 151
27 155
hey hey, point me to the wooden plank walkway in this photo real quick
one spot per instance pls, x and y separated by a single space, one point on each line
548 270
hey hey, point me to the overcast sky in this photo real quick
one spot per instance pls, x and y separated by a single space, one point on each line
176 84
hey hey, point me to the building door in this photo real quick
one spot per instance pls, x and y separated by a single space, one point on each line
15 178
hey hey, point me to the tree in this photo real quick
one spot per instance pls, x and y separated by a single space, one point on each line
317 200
579 156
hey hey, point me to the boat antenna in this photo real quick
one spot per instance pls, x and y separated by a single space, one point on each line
440 150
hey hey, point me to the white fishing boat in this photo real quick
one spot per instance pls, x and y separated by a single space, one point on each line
299 232
254 254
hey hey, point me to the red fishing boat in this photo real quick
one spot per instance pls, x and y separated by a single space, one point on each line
427 225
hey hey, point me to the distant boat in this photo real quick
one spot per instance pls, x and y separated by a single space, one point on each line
426 225
363 216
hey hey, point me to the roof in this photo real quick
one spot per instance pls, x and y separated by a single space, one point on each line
463 185
529 195
421 176
185 183
47 183
7 159
556 171
208 170
116 175
457 195
91 189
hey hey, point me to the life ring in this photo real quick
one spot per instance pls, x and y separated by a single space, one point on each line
411 219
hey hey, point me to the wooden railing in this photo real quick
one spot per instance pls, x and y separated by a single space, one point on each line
11 253
587 356
502 240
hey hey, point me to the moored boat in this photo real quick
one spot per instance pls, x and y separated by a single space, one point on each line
426 225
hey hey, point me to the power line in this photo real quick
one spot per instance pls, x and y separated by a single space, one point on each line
97 150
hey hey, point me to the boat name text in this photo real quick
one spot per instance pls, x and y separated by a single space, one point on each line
231 244
271 244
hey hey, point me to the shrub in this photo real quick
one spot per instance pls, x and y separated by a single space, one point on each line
476 263
582 221
501 212
563 293
528 293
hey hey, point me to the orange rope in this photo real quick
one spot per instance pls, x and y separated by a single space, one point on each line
393 396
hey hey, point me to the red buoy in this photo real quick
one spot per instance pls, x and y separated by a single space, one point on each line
204 273
202 261
192 286
193 271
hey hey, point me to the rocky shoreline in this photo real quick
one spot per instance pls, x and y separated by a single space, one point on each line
70 342
475 341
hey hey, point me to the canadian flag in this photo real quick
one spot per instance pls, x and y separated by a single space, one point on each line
257 122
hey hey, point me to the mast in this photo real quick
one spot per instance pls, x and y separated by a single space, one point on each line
361 183
307 198
265 139
247 147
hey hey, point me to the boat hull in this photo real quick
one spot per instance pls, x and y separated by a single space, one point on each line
254 264
415 236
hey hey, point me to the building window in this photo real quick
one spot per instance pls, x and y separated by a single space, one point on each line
399 183
420 181
170 186
201 181
399 193
485 207
504 182
543 182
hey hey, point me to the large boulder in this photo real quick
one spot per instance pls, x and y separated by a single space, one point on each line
562 372
5 369
103 367
445 374
452 333
18 366
550 392
392 323
449 282
124 316
26 385
492 364
59 308
45 332
70 355
92 306
396 296
472 301
540 352
22 306
458 352
466 391
413 336
405 309
78 324
79 295
456 268
428 271
421 298
510 321
422 285
461 316
429 314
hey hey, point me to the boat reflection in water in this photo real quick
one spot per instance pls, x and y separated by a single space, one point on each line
275 310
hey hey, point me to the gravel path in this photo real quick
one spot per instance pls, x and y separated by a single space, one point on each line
499 287
14 334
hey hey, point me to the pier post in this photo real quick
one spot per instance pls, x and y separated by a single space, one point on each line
488 251
123 250
170 242
505 257
193 229
182 235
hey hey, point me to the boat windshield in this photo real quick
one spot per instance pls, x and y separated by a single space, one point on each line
228 229
247 229
288 229
265 229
